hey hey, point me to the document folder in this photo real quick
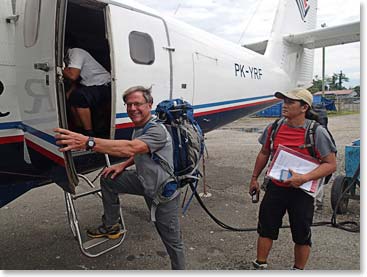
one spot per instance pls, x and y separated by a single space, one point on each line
286 158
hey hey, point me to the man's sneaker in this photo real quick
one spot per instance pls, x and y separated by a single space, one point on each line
258 265
111 232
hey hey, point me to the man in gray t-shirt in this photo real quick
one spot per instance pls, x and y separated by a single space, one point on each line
283 196
144 180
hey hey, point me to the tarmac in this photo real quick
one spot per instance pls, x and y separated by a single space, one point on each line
36 234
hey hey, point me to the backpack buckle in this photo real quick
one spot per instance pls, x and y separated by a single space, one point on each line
303 146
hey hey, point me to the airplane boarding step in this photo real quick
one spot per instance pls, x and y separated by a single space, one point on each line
90 247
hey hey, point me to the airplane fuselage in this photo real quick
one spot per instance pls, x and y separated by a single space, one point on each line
222 80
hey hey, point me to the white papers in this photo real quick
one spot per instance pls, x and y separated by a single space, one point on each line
286 158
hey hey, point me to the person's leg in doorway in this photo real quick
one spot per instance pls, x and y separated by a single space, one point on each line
80 100
85 117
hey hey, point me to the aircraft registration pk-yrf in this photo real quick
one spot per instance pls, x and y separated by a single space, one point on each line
222 80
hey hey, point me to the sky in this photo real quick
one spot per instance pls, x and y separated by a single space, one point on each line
246 21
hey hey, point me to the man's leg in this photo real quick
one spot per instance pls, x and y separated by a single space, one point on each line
300 214
168 227
263 248
167 223
76 118
81 100
301 254
126 182
85 117
272 210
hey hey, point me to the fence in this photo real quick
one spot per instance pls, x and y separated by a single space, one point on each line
349 104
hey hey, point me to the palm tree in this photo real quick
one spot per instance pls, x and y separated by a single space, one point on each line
336 81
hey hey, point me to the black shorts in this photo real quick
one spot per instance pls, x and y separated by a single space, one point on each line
90 97
300 207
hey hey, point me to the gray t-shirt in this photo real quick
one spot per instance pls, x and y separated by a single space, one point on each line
323 142
150 173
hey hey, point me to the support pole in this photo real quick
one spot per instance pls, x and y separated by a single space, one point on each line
323 25
204 193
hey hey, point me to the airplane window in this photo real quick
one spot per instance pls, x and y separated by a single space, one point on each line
141 48
31 22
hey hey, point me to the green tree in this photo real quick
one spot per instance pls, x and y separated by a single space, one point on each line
316 85
335 82
357 89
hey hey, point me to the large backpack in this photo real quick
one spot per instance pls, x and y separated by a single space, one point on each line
187 138
309 134
177 116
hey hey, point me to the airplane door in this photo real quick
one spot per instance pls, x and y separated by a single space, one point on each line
40 89
140 56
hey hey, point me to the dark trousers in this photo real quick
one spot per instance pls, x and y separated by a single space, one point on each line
279 200
167 220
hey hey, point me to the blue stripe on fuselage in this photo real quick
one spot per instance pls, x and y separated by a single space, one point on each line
29 129
11 125
51 139
215 104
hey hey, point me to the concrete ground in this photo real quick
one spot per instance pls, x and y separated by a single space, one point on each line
35 233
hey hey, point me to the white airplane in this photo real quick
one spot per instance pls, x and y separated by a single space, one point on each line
222 80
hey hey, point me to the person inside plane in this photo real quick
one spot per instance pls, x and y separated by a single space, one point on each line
91 85
145 180
282 196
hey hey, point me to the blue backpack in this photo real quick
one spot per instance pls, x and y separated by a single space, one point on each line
177 116
187 138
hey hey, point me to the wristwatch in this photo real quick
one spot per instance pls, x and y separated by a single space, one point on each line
90 143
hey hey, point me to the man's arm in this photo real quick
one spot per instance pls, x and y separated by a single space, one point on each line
327 166
116 169
121 148
69 140
261 161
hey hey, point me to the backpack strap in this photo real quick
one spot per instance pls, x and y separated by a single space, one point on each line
156 157
311 127
161 198
150 123
164 164
309 135
310 142
274 130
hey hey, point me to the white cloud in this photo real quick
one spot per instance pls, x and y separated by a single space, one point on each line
344 58
191 15
338 11
252 20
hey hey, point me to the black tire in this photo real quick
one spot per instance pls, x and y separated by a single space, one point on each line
339 185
